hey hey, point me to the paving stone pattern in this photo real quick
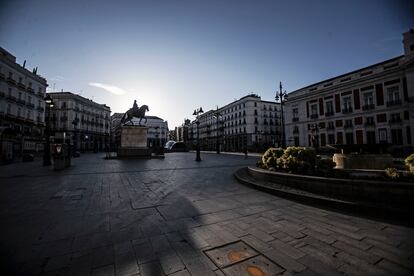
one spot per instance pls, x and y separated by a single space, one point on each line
176 217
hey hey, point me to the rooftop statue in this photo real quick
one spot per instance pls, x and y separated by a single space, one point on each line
135 111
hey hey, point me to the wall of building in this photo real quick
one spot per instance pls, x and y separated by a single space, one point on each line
86 123
22 104
368 106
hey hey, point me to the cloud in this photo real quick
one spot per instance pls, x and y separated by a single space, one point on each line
108 87
58 78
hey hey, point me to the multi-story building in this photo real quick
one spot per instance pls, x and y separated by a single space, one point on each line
181 132
22 106
85 122
158 133
371 105
248 122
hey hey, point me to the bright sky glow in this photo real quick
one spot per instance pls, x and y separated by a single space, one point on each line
178 55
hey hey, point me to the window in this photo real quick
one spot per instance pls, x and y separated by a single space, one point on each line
8 108
255 112
20 79
19 112
255 104
314 109
396 136
370 121
255 121
368 99
349 138
295 112
10 92
347 103
10 75
393 94
331 139
370 137
329 108
29 99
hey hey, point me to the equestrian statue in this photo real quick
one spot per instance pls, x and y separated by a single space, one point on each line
135 112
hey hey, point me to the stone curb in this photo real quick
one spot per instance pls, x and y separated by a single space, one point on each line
242 175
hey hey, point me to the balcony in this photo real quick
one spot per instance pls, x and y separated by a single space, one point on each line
314 116
295 130
11 81
30 89
394 103
21 85
20 101
63 118
346 110
330 127
11 98
348 126
40 109
368 107
2 95
30 105
295 119
2 76
395 121
329 113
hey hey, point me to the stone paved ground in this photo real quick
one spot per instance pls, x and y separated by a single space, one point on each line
179 217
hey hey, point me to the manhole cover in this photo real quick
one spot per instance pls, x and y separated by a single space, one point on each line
257 266
231 253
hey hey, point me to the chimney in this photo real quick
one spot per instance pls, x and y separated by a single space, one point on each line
408 41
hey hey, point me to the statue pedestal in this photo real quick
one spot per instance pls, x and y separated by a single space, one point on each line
134 142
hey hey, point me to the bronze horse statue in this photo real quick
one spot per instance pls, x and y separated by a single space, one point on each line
135 112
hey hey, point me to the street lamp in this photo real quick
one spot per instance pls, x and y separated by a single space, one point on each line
46 150
75 138
282 97
315 136
197 113
217 115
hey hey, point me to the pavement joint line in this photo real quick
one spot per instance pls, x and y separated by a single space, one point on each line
122 172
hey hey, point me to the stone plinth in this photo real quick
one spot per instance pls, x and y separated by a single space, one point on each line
134 142
362 161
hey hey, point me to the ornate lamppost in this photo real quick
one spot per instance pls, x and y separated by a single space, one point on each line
197 113
46 150
217 115
282 97
315 136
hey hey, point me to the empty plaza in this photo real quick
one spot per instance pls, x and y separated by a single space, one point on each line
174 216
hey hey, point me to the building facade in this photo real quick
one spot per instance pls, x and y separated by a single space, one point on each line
22 107
368 106
84 122
249 122
181 132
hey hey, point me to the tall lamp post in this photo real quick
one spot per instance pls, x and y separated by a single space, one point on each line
197 113
281 97
46 150
217 115
75 130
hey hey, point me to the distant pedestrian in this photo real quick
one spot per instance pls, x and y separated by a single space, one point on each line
245 153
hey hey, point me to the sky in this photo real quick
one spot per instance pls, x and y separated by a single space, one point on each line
176 56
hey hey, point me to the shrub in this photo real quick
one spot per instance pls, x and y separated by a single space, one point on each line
299 159
392 173
271 156
409 162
